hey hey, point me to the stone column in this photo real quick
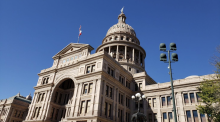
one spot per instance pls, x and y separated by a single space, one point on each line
92 98
180 106
143 63
133 55
117 54
116 100
114 104
109 50
97 98
139 58
103 98
31 110
45 102
159 116
124 104
126 53
77 108
74 98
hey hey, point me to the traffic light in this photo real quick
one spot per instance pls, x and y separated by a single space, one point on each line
174 57
162 47
172 46
163 57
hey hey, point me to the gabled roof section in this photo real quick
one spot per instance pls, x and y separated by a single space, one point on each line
72 47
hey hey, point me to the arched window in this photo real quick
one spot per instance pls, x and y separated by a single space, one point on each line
127 39
122 37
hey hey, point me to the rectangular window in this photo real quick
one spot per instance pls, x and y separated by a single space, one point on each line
186 100
112 73
195 116
88 69
202 116
106 108
122 99
155 117
168 101
106 93
93 68
163 101
85 88
109 110
82 107
140 86
198 97
136 87
119 98
110 92
39 98
165 117
188 115
121 116
154 102
150 117
90 88
118 113
109 70
87 106
170 116
149 102
192 98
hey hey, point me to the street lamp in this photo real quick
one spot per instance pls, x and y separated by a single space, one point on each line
163 57
138 117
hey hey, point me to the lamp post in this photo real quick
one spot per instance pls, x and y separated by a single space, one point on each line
163 57
138 117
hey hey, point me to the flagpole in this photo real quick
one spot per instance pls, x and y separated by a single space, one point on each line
78 40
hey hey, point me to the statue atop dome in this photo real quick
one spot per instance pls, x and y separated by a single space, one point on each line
122 9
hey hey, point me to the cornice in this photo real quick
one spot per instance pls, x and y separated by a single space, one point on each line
174 87
44 86
78 63
84 76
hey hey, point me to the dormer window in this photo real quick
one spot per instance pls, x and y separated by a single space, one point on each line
76 57
64 61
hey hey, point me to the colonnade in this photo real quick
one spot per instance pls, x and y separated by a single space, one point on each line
126 53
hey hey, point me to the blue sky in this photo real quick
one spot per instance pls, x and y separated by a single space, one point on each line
32 31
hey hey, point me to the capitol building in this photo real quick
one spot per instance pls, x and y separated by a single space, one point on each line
85 87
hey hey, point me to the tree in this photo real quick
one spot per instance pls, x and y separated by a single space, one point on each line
210 93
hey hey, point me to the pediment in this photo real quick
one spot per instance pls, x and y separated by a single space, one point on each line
72 47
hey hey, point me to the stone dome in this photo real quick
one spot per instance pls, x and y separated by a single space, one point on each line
121 26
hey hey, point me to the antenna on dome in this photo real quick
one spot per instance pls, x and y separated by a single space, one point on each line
122 9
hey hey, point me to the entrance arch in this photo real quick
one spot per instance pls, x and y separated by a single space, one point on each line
61 99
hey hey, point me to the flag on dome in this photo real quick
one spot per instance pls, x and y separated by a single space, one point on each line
80 31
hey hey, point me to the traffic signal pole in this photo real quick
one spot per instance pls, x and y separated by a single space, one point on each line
171 78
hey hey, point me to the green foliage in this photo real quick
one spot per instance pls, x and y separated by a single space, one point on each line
210 93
